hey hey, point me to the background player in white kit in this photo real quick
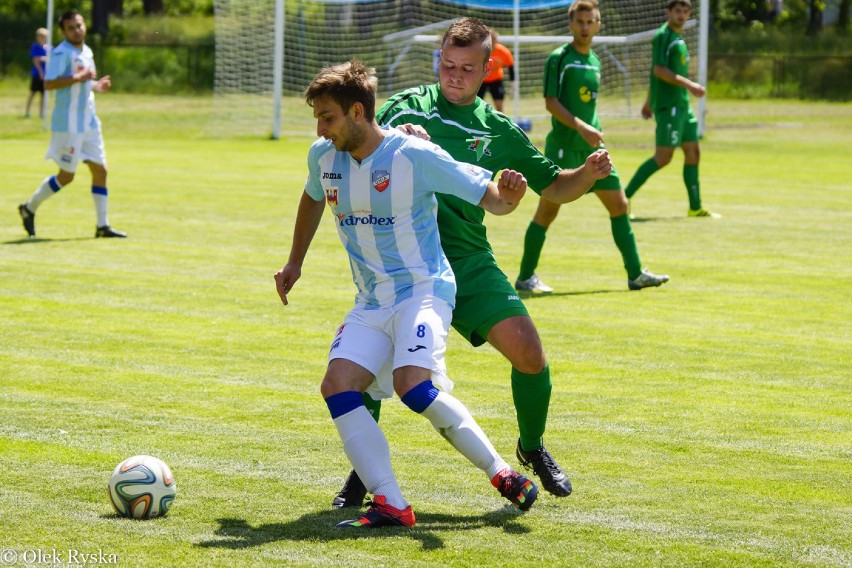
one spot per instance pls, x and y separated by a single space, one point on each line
75 128
380 184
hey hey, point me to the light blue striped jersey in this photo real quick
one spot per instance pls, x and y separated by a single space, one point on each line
386 214
74 110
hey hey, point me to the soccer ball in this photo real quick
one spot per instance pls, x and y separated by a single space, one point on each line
142 487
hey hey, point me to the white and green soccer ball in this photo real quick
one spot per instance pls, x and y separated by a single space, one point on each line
142 487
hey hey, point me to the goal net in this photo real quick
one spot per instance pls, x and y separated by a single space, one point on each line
400 38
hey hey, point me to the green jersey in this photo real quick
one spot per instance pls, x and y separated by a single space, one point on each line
670 52
574 79
474 134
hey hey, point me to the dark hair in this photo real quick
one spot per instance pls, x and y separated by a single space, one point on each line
67 15
672 3
346 83
465 32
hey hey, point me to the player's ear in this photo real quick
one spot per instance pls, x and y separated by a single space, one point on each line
489 65
357 110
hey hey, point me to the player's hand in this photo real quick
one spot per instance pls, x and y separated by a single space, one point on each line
86 74
599 164
591 135
414 130
103 84
697 90
285 279
646 111
512 186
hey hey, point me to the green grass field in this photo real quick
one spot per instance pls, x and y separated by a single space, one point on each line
707 422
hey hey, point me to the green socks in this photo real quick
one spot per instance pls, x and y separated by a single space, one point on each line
374 407
622 234
645 171
533 243
690 178
531 394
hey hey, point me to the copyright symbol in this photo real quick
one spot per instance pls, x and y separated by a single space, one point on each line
8 556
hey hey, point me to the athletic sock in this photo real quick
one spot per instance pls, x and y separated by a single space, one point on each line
533 243
645 171
693 190
374 407
365 446
625 240
531 394
48 187
454 422
99 194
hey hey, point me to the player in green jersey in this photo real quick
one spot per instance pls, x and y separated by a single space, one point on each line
668 101
572 78
487 306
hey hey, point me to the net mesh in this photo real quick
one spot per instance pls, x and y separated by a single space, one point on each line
401 38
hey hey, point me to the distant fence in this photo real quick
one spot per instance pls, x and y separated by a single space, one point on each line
178 67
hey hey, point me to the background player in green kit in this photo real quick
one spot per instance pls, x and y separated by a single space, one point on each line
487 305
668 100
572 78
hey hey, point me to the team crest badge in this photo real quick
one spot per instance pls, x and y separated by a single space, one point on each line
480 146
331 196
381 180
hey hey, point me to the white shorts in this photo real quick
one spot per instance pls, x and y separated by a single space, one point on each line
67 149
411 333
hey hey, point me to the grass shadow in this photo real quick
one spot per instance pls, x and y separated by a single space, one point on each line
37 240
528 297
320 525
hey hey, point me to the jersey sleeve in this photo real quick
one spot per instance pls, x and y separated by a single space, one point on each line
437 171
402 108
551 74
539 170
658 49
58 65
313 186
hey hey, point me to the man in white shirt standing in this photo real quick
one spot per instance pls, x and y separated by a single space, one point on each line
380 185
75 128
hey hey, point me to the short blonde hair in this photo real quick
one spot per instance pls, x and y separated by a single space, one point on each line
42 32
583 6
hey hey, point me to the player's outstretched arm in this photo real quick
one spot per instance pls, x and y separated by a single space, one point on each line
307 221
503 195
573 184
665 74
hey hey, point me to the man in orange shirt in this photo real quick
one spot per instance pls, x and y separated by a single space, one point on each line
502 57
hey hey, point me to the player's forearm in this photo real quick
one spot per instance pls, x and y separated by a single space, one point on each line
562 114
669 76
495 204
61 82
307 221
569 185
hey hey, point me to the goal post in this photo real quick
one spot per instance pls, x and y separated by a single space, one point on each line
267 51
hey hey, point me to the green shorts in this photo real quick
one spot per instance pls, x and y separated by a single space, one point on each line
485 297
675 126
569 158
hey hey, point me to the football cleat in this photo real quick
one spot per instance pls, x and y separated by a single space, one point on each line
701 212
516 488
532 285
351 494
545 467
28 217
647 279
108 232
380 514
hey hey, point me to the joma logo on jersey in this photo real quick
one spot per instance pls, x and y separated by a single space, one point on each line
331 196
381 179
331 175
354 220
480 146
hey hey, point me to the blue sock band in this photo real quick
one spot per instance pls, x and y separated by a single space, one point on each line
420 397
343 402
99 190
54 185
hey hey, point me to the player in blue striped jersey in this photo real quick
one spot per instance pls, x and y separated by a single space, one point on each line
75 128
380 186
